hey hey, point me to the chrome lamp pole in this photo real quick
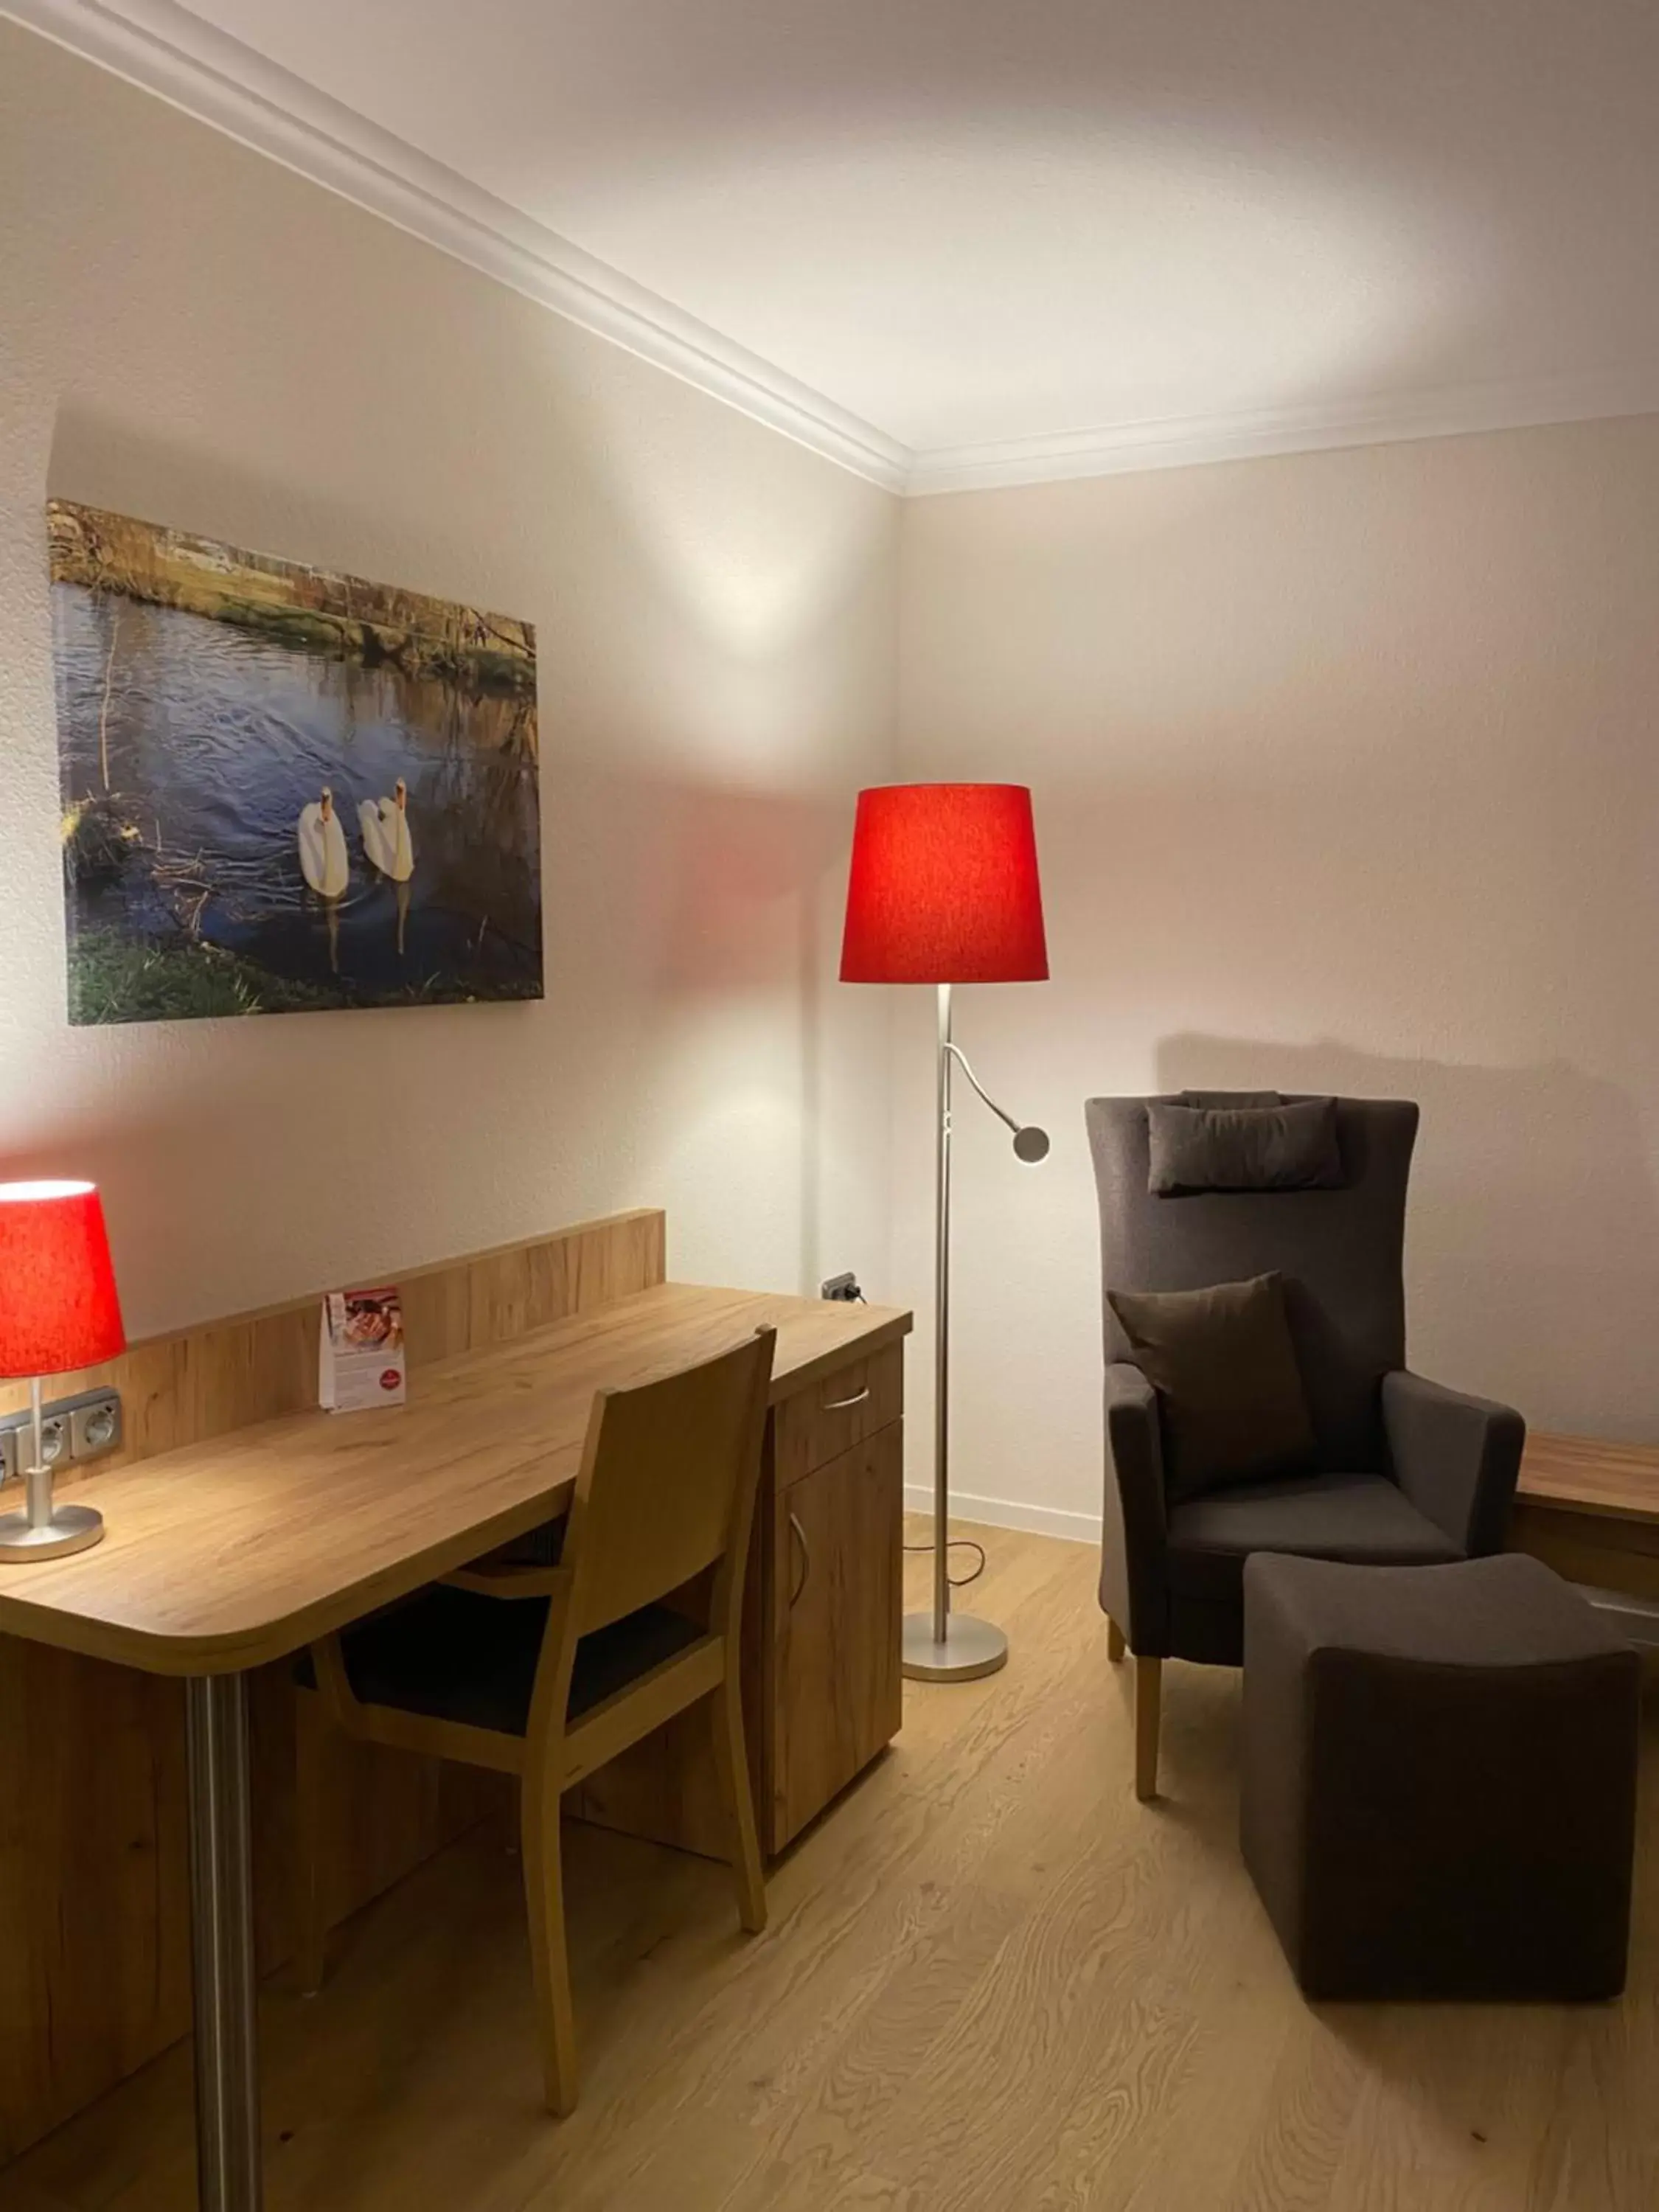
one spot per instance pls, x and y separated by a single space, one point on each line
945 1645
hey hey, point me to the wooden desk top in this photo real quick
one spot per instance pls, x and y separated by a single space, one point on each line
229 1554
1585 1475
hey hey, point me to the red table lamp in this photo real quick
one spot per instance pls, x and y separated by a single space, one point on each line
58 1311
944 889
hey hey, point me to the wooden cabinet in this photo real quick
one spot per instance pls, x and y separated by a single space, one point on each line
836 1697
822 1625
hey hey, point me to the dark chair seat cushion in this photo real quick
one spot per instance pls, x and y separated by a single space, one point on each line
1365 1520
454 1655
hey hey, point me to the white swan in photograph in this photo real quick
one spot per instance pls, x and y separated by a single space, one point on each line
324 861
385 833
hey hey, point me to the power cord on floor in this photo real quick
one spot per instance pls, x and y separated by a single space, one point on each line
957 1544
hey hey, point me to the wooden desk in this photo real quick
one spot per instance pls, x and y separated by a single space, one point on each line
1590 1510
235 1551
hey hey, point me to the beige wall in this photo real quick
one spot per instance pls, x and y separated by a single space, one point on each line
1345 769
1347 772
191 334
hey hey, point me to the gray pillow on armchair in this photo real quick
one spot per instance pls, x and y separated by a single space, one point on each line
1195 1144
1231 1401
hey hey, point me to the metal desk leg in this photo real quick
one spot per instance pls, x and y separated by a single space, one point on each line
228 2178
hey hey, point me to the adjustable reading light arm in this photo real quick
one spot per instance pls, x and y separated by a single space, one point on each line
1031 1143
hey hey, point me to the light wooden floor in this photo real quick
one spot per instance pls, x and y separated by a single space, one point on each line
992 1983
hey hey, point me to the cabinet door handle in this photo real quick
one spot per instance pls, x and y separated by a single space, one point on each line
800 1535
840 1404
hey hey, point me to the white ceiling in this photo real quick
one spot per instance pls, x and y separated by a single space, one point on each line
985 240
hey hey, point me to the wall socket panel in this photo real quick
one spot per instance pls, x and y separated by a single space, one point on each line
75 1429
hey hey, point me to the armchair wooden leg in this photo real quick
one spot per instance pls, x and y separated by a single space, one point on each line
1116 1646
311 1732
738 1804
544 1889
1149 1675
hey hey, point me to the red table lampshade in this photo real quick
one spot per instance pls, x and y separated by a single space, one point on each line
58 1307
943 887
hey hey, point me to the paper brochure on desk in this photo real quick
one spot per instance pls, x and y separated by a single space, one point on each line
361 1360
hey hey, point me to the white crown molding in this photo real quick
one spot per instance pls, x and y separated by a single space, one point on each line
1187 441
164 49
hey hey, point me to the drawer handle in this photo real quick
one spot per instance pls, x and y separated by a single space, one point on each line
841 1405
800 1535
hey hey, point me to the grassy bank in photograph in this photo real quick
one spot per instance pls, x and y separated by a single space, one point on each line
319 609
116 978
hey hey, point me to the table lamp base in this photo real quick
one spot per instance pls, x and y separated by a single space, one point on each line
72 1529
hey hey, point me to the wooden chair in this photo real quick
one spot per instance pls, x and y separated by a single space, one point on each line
547 1673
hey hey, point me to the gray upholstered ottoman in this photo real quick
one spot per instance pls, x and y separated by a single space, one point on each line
1439 1779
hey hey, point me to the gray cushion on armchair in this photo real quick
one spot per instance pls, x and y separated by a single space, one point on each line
1407 1472
1364 1519
1231 1400
1259 1146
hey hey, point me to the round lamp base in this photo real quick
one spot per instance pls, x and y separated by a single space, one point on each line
72 1529
971 1648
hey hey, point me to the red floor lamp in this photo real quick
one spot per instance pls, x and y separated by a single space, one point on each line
944 889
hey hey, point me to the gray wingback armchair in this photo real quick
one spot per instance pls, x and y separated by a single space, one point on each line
1410 1474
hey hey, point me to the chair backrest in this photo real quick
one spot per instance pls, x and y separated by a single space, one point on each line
667 1483
1341 1254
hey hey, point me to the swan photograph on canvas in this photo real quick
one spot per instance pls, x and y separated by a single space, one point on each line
285 789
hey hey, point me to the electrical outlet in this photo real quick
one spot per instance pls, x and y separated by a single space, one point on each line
79 1428
94 1424
843 1290
17 1440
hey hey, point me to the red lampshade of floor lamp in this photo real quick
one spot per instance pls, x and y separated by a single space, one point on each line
944 889
58 1311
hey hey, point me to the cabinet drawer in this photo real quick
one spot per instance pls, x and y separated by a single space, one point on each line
838 1411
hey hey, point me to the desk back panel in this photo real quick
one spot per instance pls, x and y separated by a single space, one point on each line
194 1383
94 1932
